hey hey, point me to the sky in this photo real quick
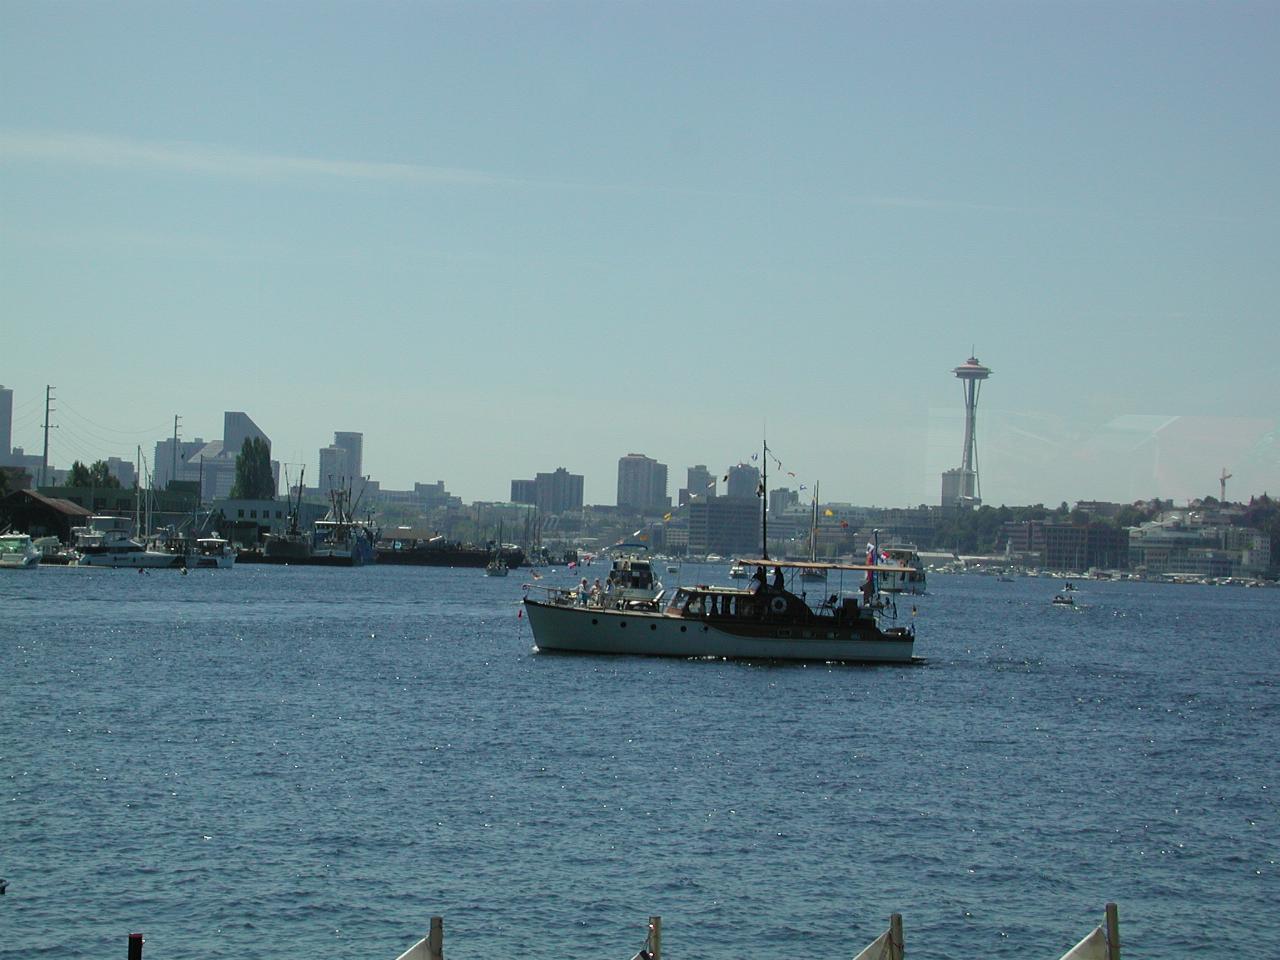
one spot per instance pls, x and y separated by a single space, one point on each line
500 238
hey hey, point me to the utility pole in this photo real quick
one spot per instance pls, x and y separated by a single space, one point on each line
44 460
173 472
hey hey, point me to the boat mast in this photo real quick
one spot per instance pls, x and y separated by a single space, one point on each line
813 527
764 503
137 494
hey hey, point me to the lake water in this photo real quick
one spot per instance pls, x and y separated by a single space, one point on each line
284 761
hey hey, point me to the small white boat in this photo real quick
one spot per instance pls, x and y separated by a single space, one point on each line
738 572
17 552
211 552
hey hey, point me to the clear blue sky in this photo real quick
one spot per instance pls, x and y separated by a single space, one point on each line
499 238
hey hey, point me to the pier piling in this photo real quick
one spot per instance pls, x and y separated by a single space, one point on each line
135 946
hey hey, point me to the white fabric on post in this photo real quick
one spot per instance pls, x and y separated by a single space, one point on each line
879 948
1092 947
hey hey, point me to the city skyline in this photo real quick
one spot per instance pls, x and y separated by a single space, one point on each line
1131 444
669 228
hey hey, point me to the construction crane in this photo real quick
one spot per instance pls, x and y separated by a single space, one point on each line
1222 484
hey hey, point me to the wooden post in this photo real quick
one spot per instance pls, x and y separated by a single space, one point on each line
435 939
896 946
1113 932
655 938
135 946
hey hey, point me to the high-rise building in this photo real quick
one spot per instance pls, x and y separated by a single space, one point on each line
524 491
353 443
558 492
960 486
6 423
642 484
743 482
702 483
334 472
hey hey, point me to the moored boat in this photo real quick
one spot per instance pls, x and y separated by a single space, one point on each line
107 542
17 552
211 552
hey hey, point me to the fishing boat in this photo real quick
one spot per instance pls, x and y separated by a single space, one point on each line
17 552
340 539
763 620
291 546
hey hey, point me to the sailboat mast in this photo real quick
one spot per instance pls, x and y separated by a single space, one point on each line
764 503
137 494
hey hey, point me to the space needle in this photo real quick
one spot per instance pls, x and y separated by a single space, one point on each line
960 487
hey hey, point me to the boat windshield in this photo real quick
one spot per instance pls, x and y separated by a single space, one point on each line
14 544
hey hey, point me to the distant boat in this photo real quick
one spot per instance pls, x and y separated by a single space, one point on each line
211 553
738 571
1063 600
497 565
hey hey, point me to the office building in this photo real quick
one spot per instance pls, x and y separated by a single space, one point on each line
743 482
642 484
353 443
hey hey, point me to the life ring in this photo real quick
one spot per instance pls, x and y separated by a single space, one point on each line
778 604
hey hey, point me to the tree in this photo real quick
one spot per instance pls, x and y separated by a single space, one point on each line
98 475
253 471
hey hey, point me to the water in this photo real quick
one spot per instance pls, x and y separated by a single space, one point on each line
267 761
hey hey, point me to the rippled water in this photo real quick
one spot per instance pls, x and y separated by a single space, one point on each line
265 762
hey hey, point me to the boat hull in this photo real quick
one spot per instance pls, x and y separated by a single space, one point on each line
596 630
141 559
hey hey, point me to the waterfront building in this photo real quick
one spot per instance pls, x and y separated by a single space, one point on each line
725 525
642 484
1081 546
1182 543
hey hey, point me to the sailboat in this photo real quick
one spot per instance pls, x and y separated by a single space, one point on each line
497 565
813 574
